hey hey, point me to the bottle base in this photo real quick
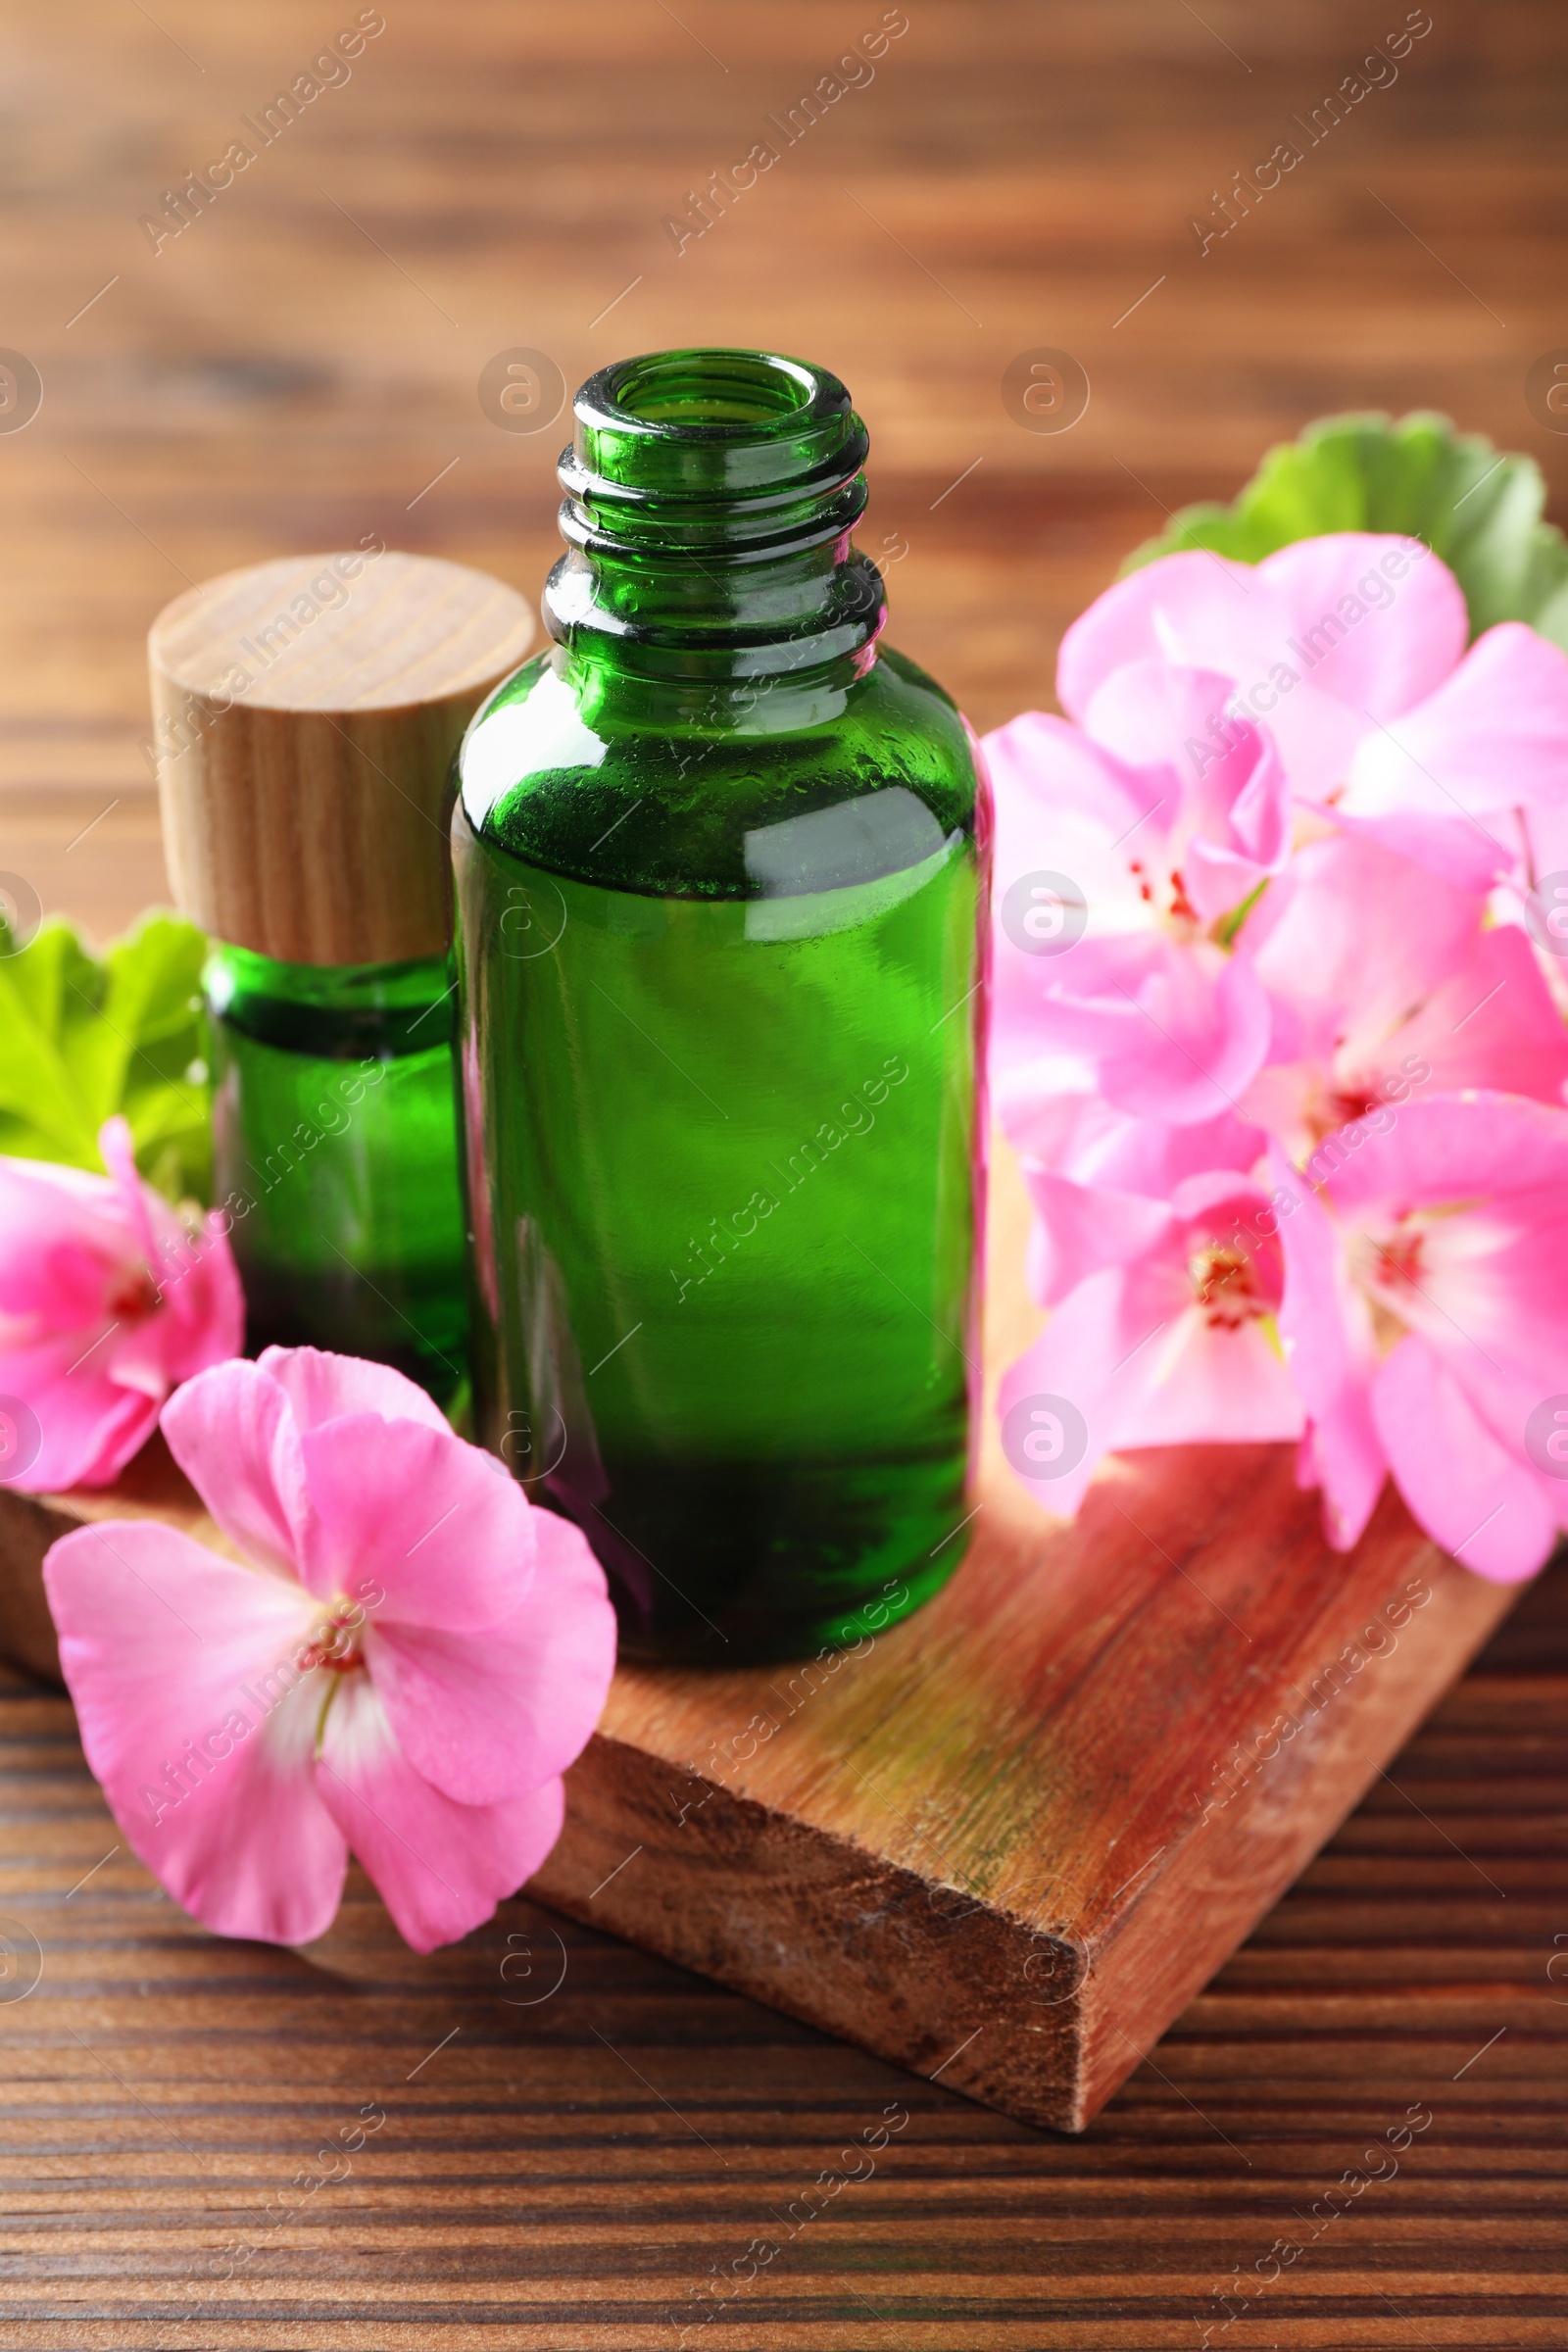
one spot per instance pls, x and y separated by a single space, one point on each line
772 1640
770 1563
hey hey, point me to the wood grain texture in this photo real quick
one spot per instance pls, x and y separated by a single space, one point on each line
287 374
305 714
577 2135
1005 1841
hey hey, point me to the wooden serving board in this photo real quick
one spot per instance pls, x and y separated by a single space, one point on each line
1005 1841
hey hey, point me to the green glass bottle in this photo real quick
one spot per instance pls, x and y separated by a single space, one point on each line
334 1143
307 713
720 861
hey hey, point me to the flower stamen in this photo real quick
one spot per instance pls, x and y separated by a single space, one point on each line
1225 1285
133 1294
333 1645
1397 1261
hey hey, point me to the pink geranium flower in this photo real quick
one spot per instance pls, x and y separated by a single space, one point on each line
1535 894
1267 895
1164 1331
1425 1318
1085 1139
1350 647
1385 977
404 1662
1124 864
107 1300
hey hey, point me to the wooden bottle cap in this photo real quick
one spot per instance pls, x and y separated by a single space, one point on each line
305 716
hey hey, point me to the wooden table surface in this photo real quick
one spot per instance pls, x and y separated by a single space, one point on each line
300 367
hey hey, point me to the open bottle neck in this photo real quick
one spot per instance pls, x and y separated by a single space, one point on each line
710 501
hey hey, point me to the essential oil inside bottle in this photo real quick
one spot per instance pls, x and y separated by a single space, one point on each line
720 890
335 1149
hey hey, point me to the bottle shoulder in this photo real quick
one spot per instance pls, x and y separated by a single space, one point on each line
332 1011
719 790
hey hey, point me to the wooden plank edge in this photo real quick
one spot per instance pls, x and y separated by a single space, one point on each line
1043 2024
1040 2017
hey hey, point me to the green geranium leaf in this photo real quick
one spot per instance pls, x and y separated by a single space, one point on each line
1480 511
81 1038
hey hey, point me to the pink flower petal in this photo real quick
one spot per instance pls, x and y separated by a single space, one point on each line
322 1387
233 1432
1469 1193
487 1717
1472 1496
1135 1003
1459 849
1171 1033
1130 1353
1219 881
1214 779
1495 736
1316 737
1540 838
1385 985
1227 1386
1095 1329
1162 713
1195 608
1388 643
1309 646
89 1426
1135 1155
1327 1333
1057 1126
202 1317
99 1312
242 1732
64 1238
1358 937
1186 1041
1220 1377
1083 1228
1492 1024
1030 1094
198 1722
440 1867
1044 770
119 1158
1455 1218
1465 1149
438 1528
203 1299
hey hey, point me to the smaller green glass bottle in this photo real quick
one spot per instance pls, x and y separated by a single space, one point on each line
307 713
335 1144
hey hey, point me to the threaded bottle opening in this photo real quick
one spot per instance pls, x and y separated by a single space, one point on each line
733 389
706 424
710 501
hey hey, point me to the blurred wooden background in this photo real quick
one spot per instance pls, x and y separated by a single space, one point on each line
300 367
